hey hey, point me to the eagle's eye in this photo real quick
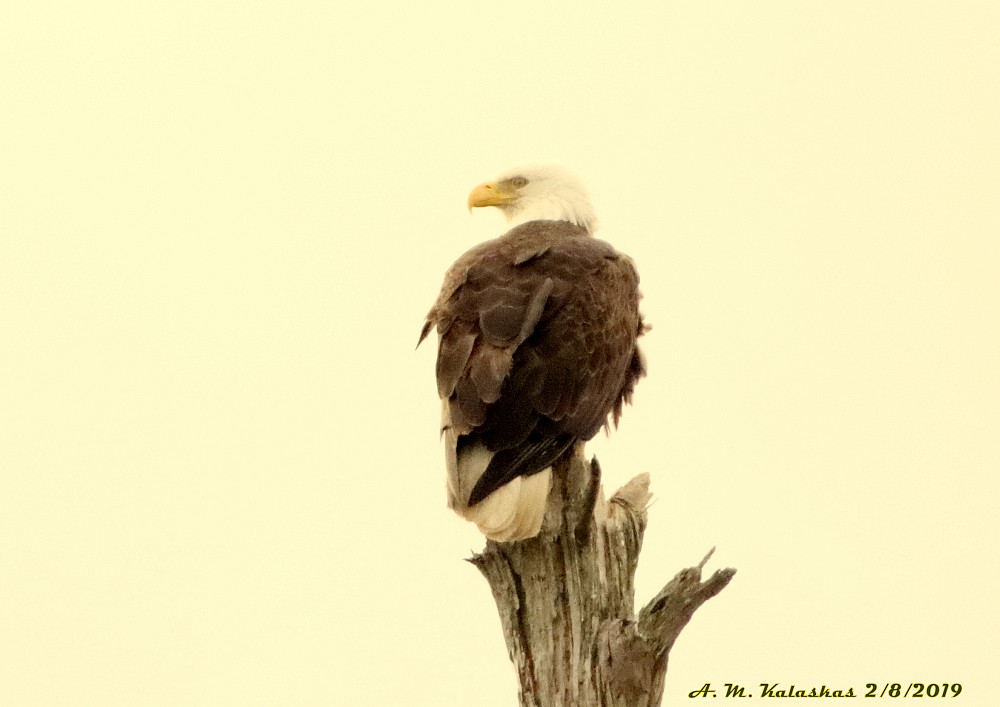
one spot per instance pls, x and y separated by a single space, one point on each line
518 182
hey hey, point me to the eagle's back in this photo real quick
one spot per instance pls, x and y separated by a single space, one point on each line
537 348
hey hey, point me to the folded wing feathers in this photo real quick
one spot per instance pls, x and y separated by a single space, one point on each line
546 284
488 369
453 356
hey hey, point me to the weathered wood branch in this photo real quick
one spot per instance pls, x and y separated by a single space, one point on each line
566 598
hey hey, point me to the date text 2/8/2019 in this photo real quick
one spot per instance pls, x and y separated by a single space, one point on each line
914 689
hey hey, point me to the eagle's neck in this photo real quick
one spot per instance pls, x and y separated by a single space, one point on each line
576 211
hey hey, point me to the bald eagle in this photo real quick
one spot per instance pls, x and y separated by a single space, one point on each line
537 348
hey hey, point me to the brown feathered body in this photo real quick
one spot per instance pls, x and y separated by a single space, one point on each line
537 351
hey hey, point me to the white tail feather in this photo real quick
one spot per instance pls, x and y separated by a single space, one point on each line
515 510
512 512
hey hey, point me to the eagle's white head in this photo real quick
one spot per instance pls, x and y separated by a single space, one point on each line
539 192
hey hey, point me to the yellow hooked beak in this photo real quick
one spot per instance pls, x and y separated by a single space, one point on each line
491 194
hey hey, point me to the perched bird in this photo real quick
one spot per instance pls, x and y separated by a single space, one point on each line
537 348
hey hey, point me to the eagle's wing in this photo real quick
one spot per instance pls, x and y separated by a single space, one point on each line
537 347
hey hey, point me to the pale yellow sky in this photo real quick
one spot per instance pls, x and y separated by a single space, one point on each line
221 225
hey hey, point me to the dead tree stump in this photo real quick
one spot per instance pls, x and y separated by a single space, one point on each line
566 598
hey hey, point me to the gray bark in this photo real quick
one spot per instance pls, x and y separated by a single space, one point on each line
566 598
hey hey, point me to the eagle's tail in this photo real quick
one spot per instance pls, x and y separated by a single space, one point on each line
514 511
